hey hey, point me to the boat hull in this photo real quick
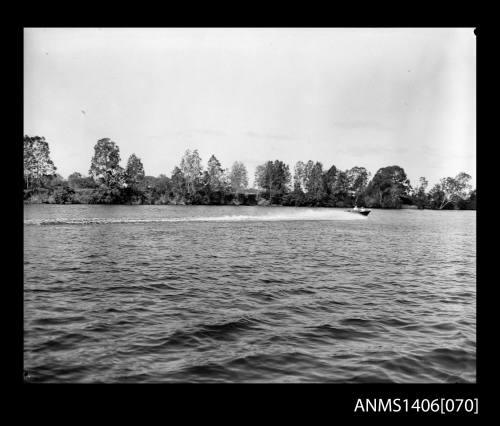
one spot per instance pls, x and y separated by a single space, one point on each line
364 212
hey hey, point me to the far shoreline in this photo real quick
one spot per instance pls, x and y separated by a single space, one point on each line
404 207
190 184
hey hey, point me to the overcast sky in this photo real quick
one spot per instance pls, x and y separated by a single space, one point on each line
348 97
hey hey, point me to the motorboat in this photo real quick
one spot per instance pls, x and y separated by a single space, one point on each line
362 210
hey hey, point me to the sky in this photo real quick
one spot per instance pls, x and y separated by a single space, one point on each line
370 97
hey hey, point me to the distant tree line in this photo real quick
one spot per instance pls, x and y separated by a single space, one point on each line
190 183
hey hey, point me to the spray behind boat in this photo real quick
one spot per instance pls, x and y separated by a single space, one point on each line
362 210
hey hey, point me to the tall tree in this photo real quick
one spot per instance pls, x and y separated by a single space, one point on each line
455 189
215 174
308 168
281 177
314 183
357 180
161 188
299 176
192 170
37 161
436 197
238 177
388 188
340 188
178 184
418 193
263 175
105 164
329 180
274 177
134 172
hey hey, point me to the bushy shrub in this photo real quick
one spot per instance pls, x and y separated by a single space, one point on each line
36 196
103 195
62 195
250 199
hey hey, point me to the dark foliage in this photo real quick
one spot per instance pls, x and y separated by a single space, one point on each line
313 186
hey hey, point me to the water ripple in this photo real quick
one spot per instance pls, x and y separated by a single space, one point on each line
199 294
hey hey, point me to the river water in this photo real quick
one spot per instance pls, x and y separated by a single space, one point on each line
248 294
